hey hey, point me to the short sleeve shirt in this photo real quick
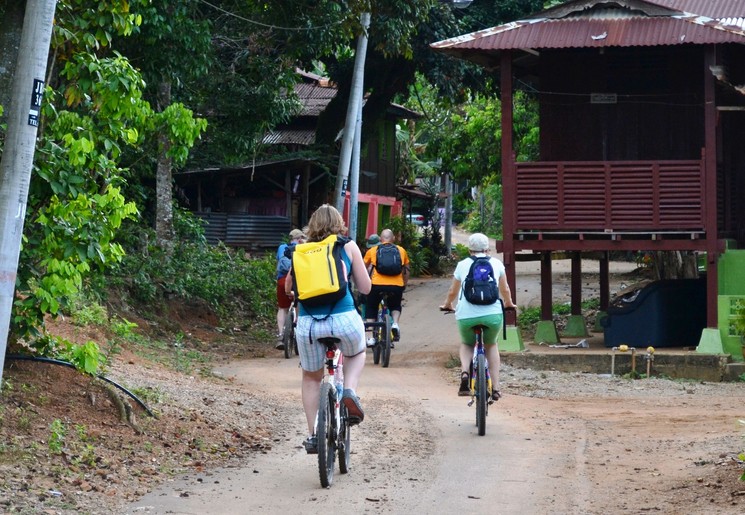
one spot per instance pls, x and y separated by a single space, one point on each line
371 258
465 309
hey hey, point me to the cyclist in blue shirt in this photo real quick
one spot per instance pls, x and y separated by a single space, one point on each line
283 267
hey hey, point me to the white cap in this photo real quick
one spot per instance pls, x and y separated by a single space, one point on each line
478 242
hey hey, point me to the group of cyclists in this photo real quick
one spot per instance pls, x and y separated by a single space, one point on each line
343 321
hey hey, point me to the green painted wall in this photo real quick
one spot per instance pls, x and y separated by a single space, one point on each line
731 272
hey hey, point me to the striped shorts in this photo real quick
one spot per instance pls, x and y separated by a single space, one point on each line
347 326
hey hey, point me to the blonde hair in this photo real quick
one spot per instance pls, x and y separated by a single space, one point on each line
324 222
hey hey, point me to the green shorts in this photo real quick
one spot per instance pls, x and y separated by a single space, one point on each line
493 323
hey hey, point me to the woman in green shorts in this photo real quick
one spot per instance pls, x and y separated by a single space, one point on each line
470 315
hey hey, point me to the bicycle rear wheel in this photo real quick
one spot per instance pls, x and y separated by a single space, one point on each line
481 394
386 342
345 441
326 436
288 334
377 333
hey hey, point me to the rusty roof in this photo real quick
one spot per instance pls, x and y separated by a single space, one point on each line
602 23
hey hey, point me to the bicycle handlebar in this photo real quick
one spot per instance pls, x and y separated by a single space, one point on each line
446 311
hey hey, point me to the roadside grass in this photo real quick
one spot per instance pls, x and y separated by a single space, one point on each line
530 316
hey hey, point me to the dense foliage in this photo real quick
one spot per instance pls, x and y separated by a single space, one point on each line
134 84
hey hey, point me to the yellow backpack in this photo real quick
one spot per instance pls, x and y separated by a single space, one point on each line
319 273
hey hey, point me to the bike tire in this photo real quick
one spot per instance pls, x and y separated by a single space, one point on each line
345 441
288 334
481 394
326 436
386 343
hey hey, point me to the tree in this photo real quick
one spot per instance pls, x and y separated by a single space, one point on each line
93 111
173 50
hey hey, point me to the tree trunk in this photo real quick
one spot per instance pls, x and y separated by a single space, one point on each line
164 233
10 39
675 265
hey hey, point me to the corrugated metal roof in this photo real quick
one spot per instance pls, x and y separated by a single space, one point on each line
603 25
717 9
290 137
304 90
314 98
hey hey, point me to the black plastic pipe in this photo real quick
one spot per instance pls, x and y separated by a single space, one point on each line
41 359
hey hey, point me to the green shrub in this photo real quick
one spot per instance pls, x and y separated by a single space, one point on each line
232 283
86 312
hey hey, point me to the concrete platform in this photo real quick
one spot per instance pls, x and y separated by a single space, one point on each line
671 362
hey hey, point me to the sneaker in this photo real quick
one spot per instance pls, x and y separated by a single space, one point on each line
396 333
371 342
465 389
495 395
311 444
354 409
280 342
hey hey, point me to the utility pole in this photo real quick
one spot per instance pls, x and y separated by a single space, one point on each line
20 144
354 180
448 213
355 101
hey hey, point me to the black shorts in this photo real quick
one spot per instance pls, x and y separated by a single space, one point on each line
373 299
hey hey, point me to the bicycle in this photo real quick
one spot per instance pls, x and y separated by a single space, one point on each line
481 386
288 335
332 426
381 331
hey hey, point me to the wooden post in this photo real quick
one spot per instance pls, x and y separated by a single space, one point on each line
546 287
576 292
710 180
508 171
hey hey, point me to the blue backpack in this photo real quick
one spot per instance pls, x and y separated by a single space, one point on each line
284 263
480 286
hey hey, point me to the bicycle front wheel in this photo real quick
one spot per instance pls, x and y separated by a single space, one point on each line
481 394
326 436
345 441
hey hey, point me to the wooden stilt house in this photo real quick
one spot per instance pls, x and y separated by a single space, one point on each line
642 124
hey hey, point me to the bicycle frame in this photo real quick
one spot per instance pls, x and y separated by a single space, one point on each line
334 358
479 350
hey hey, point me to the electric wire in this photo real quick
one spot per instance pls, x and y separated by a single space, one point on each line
266 25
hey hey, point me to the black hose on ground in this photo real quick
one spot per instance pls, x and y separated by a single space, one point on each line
41 359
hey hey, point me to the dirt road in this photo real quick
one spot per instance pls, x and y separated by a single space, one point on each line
555 443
